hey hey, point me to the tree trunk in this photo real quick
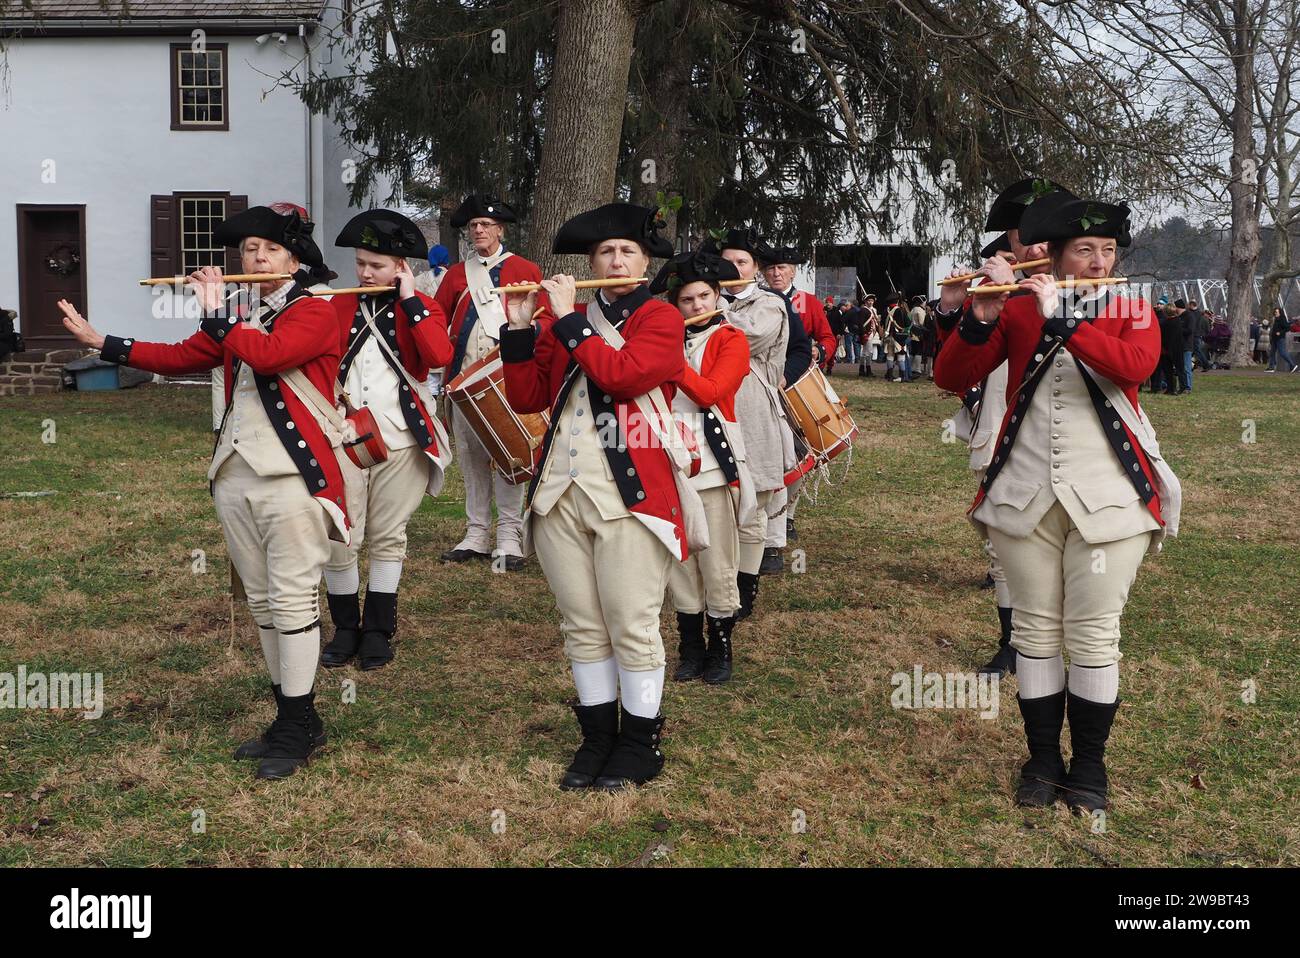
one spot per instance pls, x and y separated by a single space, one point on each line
1243 190
583 120
666 100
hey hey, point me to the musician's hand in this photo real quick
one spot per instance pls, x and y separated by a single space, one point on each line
954 294
1043 286
76 324
997 271
405 280
519 308
783 380
563 293
209 287
987 308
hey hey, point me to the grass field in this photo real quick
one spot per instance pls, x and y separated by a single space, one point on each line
470 729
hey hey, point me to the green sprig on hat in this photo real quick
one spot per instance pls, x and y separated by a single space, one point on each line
1092 217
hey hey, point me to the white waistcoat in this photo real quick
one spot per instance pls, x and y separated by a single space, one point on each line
1061 453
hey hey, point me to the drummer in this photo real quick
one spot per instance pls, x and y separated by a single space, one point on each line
604 511
717 361
763 316
390 341
476 317
779 264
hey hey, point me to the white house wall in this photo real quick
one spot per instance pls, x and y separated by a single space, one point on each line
99 108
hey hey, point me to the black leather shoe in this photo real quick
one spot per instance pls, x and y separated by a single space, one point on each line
256 747
377 629
599 724
345 611
773 563
512 563
289 740
717 658
690 648
463 555
1002 664
1043 775
636 757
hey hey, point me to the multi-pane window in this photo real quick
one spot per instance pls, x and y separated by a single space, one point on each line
199 87
199 217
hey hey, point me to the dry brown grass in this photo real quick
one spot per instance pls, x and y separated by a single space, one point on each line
472 720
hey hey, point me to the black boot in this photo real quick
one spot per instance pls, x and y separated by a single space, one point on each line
717 659
791 535
636 757
773 563
1004 662
748 585
599 724
377 630
289 741
345 611
256 747
1086 785
1043 775
690 648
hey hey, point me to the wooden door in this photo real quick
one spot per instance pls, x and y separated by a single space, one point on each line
51 266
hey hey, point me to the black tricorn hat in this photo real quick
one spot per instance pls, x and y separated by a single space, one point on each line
482 204
771 255
743 238
1072 218
384 231
698 266
1000 245
283 223
1011 203
627 221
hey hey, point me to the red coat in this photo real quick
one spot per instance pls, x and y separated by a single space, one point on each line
535 362
723 367
420 329
302 335
1122 344
810 310
455 304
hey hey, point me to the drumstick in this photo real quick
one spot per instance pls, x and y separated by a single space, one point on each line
580 284
703 317
229 278
1060 284
966 277
350 289
738 282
